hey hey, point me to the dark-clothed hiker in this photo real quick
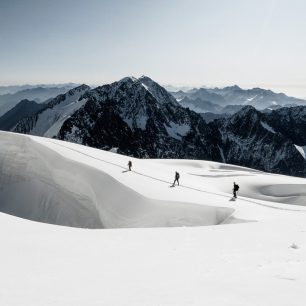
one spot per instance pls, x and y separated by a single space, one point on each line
130 165
176 178
235 190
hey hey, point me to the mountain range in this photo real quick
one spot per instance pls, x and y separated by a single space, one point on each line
138 117
49 118
204 99
12 95
11 89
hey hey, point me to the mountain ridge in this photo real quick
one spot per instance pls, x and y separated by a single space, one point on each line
138 117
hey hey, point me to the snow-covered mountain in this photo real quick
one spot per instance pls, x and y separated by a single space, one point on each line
48 121
231 109
207 95
12 89
252 138
201 106
23 109
257 97
208 116
138 117
217 252
290 122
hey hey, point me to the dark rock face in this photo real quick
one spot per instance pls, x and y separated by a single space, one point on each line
249 140
140 118
290 122
200 106
208 116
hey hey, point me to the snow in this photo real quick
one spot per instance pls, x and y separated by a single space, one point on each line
251 99
177 131
139 122
301 150
145 86
267 127
51 120
255 257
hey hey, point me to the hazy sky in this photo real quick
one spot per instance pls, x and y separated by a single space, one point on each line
195 42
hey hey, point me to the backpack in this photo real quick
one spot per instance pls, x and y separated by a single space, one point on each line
236 187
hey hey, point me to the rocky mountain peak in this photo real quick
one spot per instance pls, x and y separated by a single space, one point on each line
232 88
158 92
247 113
78 89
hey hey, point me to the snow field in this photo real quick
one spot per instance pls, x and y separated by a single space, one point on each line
41 185
259 261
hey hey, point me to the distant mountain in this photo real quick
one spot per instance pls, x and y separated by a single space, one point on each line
175 89
37 94
276 106
257 97
199 93
178 95
208 117
231 109
48 120
234 95
206 95
11 89
225 90
201 106
23 109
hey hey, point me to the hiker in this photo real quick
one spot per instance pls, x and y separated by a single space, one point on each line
176 178
130 165
235 190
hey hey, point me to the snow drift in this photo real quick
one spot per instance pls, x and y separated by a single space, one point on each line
39 184
64 183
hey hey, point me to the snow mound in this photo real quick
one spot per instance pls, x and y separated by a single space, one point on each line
288 193
39 184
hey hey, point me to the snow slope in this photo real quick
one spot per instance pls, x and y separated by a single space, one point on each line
50 121
256 257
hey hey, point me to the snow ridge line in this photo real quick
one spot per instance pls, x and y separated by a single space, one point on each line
244 199
184 186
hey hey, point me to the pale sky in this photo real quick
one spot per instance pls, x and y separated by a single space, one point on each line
181 42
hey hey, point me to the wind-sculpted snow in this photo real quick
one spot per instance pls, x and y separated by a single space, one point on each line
64 183
286 193
41 185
